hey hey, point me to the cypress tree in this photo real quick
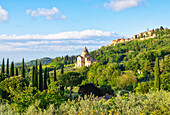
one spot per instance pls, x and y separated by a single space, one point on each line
33 79
45 79
62 72
62 69
12 69
55 77
3 67
157 74
40 78
22 69
48 76
36 74
3 93
7 67
16 71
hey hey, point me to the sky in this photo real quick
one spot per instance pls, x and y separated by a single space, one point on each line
33 29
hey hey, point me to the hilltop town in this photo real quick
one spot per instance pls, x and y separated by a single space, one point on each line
141 36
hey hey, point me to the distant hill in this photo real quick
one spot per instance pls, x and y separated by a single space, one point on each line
43 61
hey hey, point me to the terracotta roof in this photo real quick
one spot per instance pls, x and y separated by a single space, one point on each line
118 39
80 56
114 41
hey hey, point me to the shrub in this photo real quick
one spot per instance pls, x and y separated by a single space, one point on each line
13 84
106 89
87 89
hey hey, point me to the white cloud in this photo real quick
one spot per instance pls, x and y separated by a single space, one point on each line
68 48
118 5
52 13
3 14
64 35
31 43
36 43
51 45
9 48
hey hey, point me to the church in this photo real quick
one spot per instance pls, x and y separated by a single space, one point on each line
84 59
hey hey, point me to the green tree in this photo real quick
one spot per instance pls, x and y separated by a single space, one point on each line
3 67
62 72
147 66
36 74
7 68
12 69
165 81
126 81
16 71
22 69
161 28
33 76
55 77
142 87
157 74
62 69
3 93
72 79
45 79
40 78
48 76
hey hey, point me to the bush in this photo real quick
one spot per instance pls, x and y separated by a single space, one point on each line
87 89
106 89
13 84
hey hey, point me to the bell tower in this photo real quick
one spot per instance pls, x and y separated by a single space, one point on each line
147 29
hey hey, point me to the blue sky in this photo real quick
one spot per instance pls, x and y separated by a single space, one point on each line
50 28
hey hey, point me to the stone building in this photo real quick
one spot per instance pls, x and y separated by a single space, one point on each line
114 42
84 59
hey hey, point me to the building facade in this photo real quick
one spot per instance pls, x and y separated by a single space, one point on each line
84 59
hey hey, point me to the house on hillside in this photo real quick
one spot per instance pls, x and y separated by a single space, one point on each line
85 59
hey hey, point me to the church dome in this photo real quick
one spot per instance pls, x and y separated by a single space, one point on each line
85 51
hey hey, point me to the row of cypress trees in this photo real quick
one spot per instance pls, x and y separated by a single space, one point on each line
9 72
35 75
39 80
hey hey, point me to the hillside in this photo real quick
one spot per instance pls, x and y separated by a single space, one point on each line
137 69
135 58
44 61
137 49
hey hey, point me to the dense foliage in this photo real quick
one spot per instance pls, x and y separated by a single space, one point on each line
134 76
150 103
